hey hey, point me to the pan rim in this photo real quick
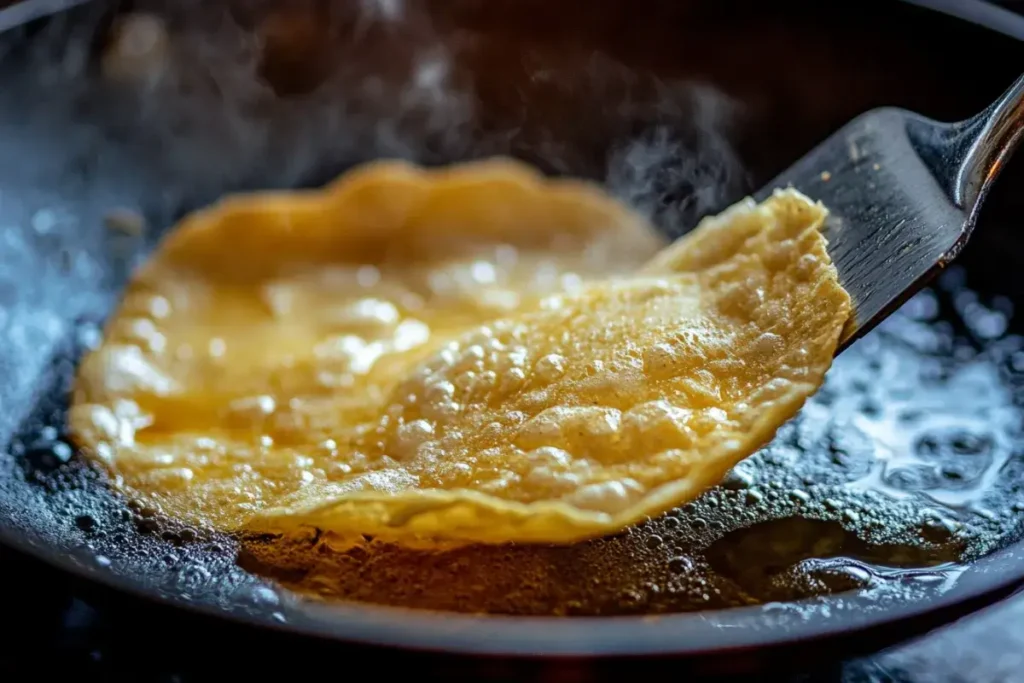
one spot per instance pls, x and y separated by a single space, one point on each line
680 635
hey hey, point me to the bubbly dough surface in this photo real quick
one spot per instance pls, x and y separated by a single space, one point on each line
268 329
444 355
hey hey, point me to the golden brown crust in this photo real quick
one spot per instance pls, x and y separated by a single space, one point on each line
665 383
287 316
258 376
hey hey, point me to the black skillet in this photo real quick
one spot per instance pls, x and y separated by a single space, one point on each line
75 147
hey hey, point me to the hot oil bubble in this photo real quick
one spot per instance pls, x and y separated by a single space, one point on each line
739 478
86 523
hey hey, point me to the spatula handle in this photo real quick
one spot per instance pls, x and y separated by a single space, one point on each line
987 143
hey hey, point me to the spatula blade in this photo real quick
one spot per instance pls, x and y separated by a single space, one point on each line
892 224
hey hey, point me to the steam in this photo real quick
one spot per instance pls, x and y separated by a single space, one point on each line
677 177
198 98
385 10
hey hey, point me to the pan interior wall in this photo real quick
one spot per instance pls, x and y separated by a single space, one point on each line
899 472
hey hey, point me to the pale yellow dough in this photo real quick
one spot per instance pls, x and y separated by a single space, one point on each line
456 355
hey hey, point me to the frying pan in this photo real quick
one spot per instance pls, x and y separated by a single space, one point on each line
565 85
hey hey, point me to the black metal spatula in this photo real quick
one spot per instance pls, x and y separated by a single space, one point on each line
904 192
